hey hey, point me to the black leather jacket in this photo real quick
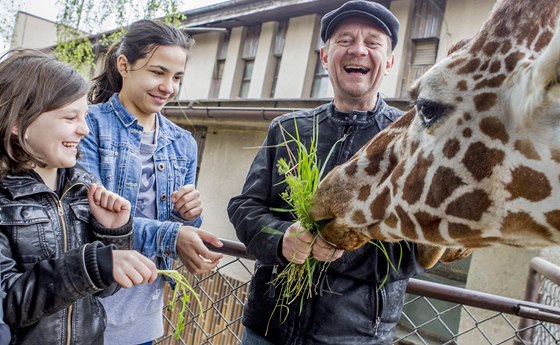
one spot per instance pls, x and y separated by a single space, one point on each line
353 306
51 253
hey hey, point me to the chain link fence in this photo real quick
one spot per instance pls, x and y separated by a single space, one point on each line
434 313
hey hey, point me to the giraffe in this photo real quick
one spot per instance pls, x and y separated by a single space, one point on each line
476 161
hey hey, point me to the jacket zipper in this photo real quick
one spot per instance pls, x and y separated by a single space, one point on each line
345 133
272 290
378 309
70 310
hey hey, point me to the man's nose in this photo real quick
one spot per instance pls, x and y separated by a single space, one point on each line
358 48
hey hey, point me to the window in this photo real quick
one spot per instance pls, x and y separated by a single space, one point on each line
219 67
425 31
277 51
249 53
320 85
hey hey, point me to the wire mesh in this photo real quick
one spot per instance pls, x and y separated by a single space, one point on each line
223 293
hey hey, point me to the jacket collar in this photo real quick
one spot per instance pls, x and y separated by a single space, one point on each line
360 117
167 130
26 184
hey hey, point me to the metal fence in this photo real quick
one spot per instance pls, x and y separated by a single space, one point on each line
449 315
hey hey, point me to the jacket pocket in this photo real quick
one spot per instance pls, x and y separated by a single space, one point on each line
32 235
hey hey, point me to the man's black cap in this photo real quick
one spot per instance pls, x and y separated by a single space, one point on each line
376 13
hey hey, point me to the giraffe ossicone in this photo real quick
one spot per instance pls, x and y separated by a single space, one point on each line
476 161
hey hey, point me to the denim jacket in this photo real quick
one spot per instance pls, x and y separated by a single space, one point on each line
111 152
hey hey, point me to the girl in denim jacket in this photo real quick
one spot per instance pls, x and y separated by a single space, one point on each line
139 154
59 230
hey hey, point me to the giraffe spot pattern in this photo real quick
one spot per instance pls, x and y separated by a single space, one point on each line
471 205
391 221
467 116
456 62
555 155
358 217
526 148
430 226
407 226
495 66
520 222
379 205
490 47
480 160
529 184
364 193
467 132
397 173
375 151
495 129
459 99
451 147
393 161
506 47
484 65
470 67
553 218
460 231
485 101
462 85
512 59
414 182
494 82
351 168
543 40
444 183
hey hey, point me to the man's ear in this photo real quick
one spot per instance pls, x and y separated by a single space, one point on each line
389 64
323 55
122 65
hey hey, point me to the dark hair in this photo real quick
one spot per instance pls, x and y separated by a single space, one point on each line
31 83
141 38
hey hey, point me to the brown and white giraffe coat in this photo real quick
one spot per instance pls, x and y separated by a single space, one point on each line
476 162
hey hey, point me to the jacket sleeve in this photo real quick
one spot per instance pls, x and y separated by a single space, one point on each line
49 286
259 228
121 237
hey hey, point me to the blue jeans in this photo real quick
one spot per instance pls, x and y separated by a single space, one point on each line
252 338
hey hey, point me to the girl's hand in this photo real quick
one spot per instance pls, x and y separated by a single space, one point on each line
132 268
192 251
108 208
187 202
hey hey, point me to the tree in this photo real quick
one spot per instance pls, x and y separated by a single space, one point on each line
80 22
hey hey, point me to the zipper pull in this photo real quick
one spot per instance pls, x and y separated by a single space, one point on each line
376 326
272 290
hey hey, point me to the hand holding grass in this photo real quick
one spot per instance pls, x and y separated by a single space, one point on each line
132 268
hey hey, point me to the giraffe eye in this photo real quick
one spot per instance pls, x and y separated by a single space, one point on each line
430 111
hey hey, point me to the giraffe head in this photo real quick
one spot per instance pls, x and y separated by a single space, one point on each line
476 161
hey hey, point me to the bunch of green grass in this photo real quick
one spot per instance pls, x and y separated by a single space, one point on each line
186 290
302 173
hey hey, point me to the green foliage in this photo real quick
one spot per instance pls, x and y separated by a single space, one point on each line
186 291
80 20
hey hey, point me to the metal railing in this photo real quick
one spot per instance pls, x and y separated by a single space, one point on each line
449 316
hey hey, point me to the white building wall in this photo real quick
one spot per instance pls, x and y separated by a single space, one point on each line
200 67
33 32
298 60
233 70
263 71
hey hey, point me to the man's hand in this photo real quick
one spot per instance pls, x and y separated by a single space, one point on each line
187 202
192 251
322 251
132 268
296 243
108 208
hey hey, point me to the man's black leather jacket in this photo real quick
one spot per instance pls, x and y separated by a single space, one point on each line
51 253
353 305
